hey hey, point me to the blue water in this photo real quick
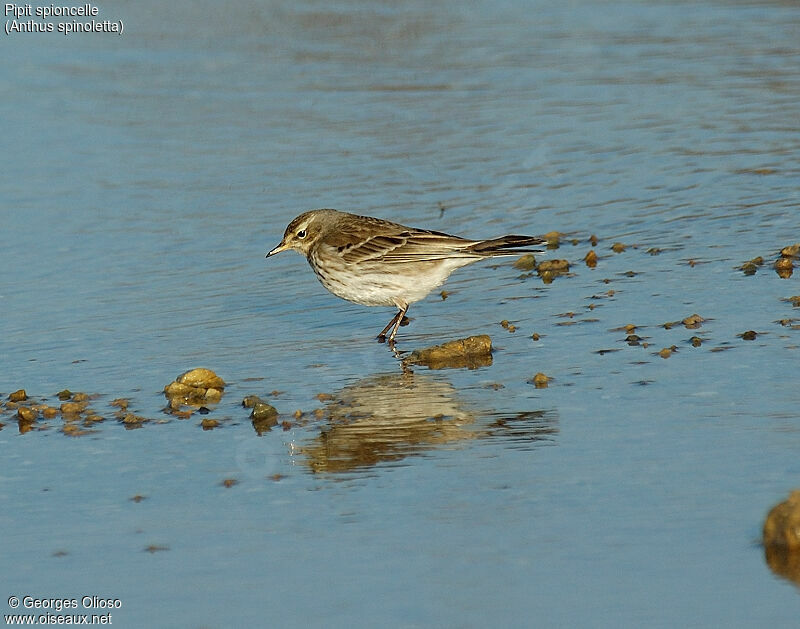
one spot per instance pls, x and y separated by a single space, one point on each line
144 177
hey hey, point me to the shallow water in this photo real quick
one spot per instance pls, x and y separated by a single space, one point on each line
146 175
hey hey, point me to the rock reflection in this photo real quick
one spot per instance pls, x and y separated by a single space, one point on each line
389 417
783 562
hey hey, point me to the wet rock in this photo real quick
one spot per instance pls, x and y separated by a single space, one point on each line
508 326
633 339
795 301
444 294
65 394
195 387
80 397
48 412
750 335
784 267
591 259
525 263
201 378
471 352
540 380
751 266
618 247
791 251
264 417
209 424
26 414
553 239
536 336
73 409
782 526
120 402
593 240
666 352
73 430
18 396
229 482
558 266
250 401
654 251
263 411
696 341
132 420
693 321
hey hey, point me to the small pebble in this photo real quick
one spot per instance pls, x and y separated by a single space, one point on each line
540 380
229 482
593 240
666 352
696 341
618 247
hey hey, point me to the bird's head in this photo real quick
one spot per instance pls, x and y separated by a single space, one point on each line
304 231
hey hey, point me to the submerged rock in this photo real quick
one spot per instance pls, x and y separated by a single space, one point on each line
540 380
526 262
471 352
263 416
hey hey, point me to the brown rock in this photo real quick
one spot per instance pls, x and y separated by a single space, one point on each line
782 526
73 408
526 262
693 321
471 352
201 378
540 380
591 259
18 396
618 247
791 251
26 414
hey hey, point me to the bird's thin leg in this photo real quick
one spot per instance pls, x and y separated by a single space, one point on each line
395 319
399 318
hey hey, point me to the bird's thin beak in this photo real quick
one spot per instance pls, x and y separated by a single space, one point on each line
278 249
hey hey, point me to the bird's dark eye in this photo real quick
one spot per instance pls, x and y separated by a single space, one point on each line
301 234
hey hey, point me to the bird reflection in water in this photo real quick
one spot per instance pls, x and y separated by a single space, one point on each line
388 417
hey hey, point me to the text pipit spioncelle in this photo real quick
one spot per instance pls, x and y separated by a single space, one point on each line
374 262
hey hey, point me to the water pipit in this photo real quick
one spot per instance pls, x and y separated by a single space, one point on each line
374 262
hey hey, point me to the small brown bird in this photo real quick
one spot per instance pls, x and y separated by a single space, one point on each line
374 262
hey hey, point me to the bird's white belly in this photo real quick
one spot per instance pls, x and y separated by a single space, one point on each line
369 287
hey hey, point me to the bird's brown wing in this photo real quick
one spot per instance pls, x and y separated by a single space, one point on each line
403 246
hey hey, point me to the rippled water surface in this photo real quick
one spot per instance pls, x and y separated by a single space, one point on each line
144 177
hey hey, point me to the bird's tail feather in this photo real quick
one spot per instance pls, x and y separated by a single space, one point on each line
507 245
